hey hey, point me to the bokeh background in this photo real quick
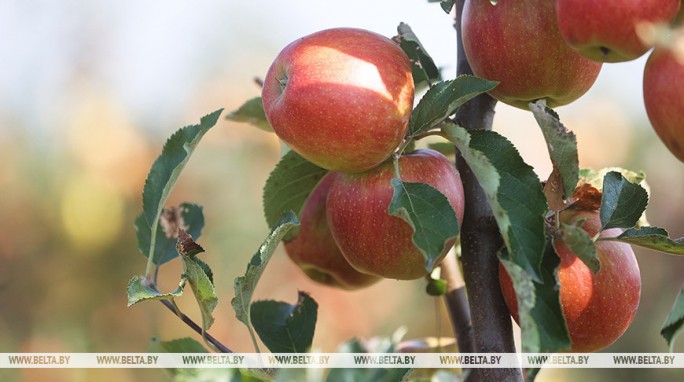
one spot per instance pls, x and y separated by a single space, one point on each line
89 92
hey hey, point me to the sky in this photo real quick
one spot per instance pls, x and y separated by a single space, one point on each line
155 57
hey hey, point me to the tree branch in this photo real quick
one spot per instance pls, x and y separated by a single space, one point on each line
480 241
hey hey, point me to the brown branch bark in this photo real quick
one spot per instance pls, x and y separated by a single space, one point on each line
480 241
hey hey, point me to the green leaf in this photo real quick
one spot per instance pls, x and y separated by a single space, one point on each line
286 328
579 242
674 323
446 5
244 285
423 68
251 112
562 146
653 238
429 214
443 99
187 216
199 277
512 189
180 345
167 168
539 309
140 290
622 203
289 186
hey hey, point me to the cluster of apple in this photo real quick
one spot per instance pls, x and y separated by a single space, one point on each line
553 50
342 99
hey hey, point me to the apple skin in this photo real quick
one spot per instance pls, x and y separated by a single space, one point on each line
372 240
341 98
606 30
517 42
664 98
598 308
314 250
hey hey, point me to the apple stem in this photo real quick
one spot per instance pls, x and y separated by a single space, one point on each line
396 165
492 330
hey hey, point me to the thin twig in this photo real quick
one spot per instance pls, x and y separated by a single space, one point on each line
457 303
188 321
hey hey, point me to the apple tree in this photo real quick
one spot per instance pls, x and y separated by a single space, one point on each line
354 200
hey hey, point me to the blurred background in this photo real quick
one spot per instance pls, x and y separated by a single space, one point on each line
89 92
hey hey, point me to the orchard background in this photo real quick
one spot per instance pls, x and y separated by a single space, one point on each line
88 94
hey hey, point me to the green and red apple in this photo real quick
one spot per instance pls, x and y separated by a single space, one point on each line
606 31
314 250
598 308
372 240
517 42
663 88
341 98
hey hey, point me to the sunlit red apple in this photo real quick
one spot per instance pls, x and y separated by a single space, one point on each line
341 98
517 42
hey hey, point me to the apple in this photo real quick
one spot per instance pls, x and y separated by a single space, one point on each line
314 250
341 98
598 308
517 42
664 97
372 240
607 30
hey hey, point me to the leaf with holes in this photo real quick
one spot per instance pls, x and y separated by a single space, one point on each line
423 68
187 216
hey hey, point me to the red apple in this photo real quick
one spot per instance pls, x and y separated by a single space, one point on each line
341 98
517 42
372 240
598 308
607 30
664 97
314 250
